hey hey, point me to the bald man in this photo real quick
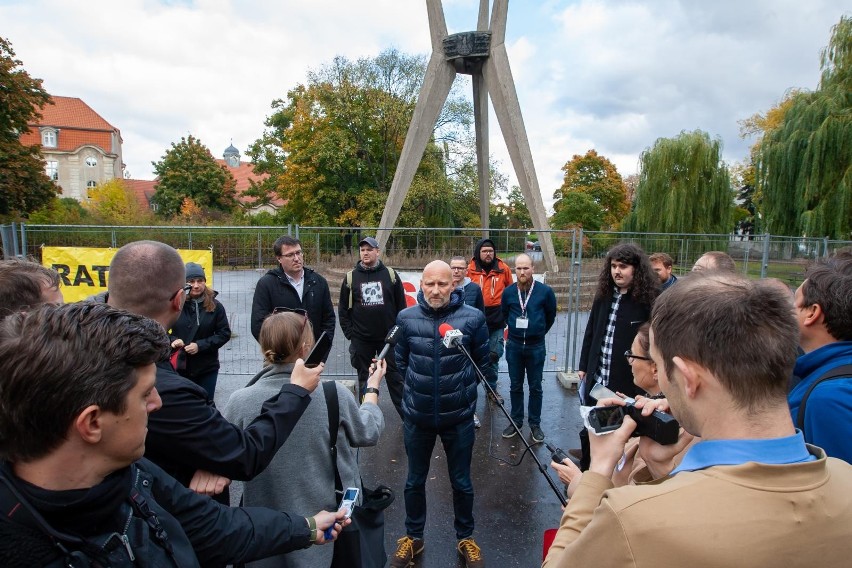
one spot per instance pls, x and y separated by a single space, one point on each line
438 401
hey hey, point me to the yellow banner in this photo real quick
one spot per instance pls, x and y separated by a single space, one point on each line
84 271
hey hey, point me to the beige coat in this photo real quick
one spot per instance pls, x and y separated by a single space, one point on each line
751 515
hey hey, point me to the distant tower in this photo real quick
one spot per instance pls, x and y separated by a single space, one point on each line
481 54
232 156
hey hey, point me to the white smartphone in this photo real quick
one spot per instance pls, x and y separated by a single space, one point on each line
350 498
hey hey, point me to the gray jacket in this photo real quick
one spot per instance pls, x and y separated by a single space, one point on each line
300 477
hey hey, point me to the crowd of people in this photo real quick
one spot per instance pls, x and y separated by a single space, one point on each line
112 452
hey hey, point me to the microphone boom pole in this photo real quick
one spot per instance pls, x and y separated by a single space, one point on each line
529 449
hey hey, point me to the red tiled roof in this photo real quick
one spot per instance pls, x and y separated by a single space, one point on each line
78 125
244 175
143 189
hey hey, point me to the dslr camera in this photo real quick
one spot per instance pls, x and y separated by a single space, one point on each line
659 426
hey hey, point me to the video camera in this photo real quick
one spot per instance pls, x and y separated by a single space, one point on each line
659 426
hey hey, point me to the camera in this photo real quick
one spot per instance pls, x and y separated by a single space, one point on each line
659 426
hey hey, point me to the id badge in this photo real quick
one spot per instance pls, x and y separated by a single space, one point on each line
522 323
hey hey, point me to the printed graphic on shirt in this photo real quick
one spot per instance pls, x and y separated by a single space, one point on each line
371 294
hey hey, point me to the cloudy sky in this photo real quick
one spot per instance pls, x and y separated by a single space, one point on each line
611 75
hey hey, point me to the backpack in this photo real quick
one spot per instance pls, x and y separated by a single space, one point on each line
391 271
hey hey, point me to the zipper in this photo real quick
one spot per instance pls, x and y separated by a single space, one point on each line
124 539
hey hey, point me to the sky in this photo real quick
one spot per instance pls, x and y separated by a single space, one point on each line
610 75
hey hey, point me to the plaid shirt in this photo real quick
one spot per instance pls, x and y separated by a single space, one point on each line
602 375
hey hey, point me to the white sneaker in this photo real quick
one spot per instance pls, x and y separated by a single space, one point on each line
476 422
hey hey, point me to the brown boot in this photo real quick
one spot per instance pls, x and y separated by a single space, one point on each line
469 550
407 548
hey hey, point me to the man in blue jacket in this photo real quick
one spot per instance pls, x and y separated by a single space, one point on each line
529 308
823 306
439 398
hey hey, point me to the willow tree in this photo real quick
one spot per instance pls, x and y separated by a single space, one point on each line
804 167
684 187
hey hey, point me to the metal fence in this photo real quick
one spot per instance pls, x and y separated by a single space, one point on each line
242 254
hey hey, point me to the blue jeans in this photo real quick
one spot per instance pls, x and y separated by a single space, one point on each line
495 347
207 381
458 445
525 359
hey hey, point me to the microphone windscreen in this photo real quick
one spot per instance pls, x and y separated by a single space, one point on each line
444 328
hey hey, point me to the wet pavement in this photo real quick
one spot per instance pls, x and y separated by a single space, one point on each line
513 506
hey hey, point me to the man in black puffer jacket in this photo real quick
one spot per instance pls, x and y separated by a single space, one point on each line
439 398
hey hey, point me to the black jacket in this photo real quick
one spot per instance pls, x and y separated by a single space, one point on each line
630 316
199 531
188 433
440 383
209 330
370 318
273 290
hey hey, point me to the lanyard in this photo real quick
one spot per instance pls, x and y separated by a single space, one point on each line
522 301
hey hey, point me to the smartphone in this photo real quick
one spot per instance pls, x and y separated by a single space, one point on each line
320 351
606 418
350 497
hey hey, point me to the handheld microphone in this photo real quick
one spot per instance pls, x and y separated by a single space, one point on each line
390 341
452 337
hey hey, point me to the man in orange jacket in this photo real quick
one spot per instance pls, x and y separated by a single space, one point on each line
493 276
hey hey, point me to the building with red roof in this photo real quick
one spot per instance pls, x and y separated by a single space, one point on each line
80 148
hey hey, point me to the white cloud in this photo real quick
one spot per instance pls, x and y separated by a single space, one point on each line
613 76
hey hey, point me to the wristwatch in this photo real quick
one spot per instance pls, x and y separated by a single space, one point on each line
371 390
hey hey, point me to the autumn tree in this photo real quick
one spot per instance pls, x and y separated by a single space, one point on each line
331 148
684 187
188 169
24 185
804 166
113 203
592 195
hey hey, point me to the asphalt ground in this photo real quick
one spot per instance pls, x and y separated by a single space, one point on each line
513 504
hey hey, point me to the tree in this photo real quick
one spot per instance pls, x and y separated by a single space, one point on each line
24 185
595 177
189 170
804 166
61 211
113 203
331 148
684 187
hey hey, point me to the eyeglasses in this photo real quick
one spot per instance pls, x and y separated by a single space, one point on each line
630 356
186 289
299 311
458 268
292 254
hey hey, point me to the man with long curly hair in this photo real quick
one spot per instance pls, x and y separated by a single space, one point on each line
627 288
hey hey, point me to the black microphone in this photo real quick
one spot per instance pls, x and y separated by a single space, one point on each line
390 341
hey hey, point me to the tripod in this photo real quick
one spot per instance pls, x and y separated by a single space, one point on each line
481 378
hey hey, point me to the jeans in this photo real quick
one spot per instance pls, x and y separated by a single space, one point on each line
458 445
495 346
527 359
207 381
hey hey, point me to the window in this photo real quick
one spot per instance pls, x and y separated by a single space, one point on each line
91 184
52 169
91 161
48 138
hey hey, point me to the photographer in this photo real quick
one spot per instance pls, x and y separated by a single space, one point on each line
751 482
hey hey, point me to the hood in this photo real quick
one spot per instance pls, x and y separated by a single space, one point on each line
476 254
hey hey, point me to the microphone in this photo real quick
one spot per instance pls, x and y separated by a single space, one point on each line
390 341
452 337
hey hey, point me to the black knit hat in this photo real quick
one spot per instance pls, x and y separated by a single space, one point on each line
194 270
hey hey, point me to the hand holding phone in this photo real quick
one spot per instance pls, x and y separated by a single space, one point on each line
350 497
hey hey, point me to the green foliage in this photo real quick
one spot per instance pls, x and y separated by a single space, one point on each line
578 209
684 187
189 170
61 211
24 186
804 166
331 148
113 203
593 194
